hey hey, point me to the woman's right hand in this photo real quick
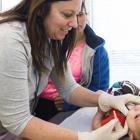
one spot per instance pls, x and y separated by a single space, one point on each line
107 101
104 133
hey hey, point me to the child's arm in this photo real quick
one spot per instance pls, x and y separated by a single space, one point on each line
96 123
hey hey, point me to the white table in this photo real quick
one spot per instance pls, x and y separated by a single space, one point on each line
81 120
78 120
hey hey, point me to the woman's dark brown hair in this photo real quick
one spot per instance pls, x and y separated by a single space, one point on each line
83 6
27 11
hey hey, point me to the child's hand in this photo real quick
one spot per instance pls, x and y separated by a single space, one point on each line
58 101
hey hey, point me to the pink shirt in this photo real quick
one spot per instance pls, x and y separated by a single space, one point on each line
76 68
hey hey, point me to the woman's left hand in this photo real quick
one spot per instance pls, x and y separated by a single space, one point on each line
107 101
105 132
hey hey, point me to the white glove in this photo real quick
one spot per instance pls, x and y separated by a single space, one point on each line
104 133
107 101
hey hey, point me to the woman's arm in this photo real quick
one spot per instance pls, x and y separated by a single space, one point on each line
72 92
38 129
84 97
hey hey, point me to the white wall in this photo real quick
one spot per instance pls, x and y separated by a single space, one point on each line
0 6
7 4
87 3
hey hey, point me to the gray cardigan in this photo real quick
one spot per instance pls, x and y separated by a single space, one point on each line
17 78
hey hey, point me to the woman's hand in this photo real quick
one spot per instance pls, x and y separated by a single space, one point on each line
107 101
104 133
58 101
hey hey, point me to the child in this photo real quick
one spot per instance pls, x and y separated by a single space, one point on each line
100 119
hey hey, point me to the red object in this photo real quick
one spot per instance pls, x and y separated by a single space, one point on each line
110 115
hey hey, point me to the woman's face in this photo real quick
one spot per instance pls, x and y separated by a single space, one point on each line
133 119
82 18
61 18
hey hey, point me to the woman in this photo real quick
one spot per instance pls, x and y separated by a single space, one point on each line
89 64
31 50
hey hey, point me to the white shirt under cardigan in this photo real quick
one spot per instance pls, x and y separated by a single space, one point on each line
17 78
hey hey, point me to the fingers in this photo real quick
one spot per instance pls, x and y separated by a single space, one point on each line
124 110
110 125
125 99
132 98
136 100
59 103
124 131
58 99
126 127
57 95
59 109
